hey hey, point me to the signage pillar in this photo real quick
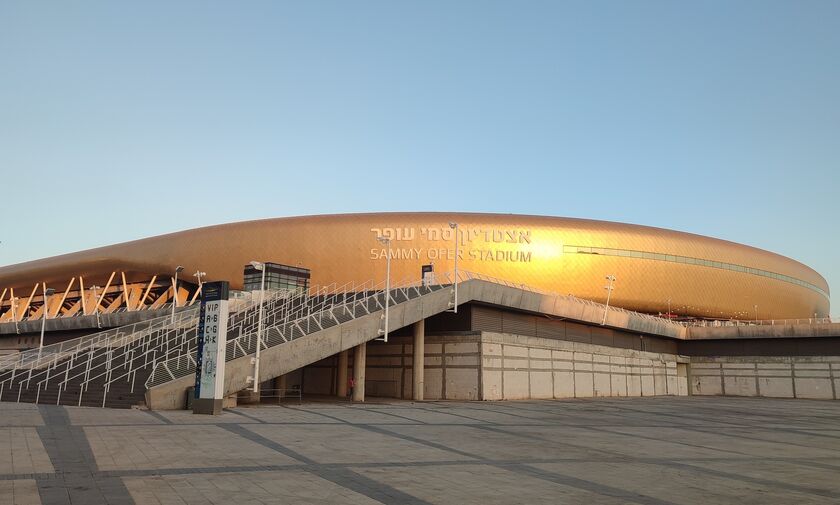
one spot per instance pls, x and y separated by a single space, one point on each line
210 355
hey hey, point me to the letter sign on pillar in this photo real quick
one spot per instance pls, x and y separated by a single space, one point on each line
210 356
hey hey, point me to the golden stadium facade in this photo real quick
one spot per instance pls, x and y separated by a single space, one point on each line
654 268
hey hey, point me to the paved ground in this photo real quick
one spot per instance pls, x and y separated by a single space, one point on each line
649 451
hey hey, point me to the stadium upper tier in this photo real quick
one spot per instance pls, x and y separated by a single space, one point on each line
654 268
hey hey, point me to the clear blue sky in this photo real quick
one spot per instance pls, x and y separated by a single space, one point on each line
120 120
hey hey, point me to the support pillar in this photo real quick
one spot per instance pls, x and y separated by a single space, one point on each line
341 374
419 363
359 359
280 387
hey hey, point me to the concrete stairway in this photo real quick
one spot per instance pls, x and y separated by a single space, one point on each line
294 345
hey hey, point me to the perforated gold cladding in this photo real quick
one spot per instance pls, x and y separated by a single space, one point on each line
339 248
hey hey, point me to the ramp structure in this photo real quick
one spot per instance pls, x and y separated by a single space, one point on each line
153 362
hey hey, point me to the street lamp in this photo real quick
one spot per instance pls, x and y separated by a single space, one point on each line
96 307
454 226
387 242
609 287
755 307
47 294
669 309
256 386
178 270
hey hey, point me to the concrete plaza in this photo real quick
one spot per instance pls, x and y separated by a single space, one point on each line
669 450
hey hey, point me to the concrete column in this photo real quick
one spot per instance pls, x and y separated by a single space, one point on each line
419 363
341 374
359 358
280 387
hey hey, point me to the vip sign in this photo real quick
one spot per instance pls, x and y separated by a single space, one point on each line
210 358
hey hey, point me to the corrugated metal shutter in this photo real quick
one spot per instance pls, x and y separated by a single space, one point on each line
486 319
547 328
578 333
519 324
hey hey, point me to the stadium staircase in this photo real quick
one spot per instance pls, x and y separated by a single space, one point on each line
125 367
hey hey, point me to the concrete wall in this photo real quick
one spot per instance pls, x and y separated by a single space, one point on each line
763 331
519 367
451 371
816 377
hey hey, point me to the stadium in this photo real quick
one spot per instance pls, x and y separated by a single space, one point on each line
702 277
503 307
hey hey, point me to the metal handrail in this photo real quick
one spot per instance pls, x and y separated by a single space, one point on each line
294 326
150 334
716 323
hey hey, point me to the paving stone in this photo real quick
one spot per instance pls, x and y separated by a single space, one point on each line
19 492
653 451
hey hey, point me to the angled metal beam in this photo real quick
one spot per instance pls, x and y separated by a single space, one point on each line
12 304
141 305
125 291
195 295
2 316
115 304
71 311
162 299
102 296
40 311
135 291
64 298
29 301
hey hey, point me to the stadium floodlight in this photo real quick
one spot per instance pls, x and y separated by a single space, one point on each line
178 270
387 242
47 294
256 386
609 287
454 226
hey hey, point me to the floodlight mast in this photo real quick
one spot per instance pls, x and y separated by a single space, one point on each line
256 386
47 294
454 226
609 287
387 242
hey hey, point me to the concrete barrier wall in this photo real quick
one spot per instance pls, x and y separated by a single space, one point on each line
815 377
763 331
519 367
451 371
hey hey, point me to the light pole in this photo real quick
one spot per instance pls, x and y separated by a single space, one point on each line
178 270
387 242
96 307
261 267
454 226
669 309
47 294
609 287
755 307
